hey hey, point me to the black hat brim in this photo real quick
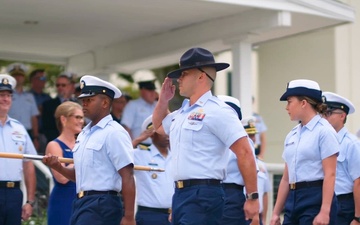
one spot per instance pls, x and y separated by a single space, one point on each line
217 66
6 89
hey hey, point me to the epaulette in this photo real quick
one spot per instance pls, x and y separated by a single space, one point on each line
144 147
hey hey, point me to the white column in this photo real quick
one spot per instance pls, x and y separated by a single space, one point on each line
241 85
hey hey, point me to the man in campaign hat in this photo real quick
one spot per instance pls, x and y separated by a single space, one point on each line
201 132
136 111
15 139
103 165
347 183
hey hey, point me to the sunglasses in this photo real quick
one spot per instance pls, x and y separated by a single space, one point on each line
61 85
330 112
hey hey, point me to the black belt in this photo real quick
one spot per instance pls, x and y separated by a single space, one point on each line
233 186
159 210
345 196
188 183
85 193
306 184
9 184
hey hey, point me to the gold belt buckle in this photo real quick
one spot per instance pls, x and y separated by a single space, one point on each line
180 184
169 210
292 186
80 194
10 184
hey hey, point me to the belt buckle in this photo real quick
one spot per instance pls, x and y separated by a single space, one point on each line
180 184
292 186
10 184
169 210
80 194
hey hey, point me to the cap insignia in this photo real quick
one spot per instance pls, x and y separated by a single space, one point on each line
5 81
82 84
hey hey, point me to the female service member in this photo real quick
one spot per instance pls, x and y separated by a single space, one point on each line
306 191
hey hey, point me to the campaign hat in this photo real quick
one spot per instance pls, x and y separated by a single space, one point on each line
197 58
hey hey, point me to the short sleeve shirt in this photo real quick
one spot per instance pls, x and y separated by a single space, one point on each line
306 146
135 113
200 136
99 153
23 107
14 139
348 162
154 189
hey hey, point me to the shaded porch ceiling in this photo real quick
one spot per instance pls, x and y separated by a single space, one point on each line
92 36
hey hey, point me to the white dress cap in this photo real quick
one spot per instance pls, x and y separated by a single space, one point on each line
17 68
7 82
146 124
335 101
91 85
232 102
249 124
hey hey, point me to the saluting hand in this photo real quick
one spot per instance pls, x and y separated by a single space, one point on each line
167 90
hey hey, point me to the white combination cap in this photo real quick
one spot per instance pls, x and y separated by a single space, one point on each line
7 83
233 103
91 85
335 101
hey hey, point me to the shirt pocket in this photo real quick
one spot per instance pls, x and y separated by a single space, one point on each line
19 141
191 132
92 153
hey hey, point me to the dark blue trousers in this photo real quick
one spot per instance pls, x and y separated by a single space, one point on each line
99 209
10 206
198 205
233 213
303 205
346 211
151 218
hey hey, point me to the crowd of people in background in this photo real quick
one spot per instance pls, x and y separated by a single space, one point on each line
213 157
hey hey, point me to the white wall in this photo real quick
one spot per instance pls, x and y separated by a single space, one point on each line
308 56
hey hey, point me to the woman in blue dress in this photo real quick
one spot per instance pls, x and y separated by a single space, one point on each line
306 190
69 120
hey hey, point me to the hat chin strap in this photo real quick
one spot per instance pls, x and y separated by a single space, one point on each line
206 74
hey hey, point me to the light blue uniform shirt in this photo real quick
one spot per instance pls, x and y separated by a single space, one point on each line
260 128
14 139
99 152
348 162
263 183
23 107
306 146
135 113
153 189
200 136
233 174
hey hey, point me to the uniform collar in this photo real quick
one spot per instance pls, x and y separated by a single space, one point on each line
101 124
341 134
155 151
312 123
204 98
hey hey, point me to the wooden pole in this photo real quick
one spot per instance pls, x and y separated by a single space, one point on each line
66 160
